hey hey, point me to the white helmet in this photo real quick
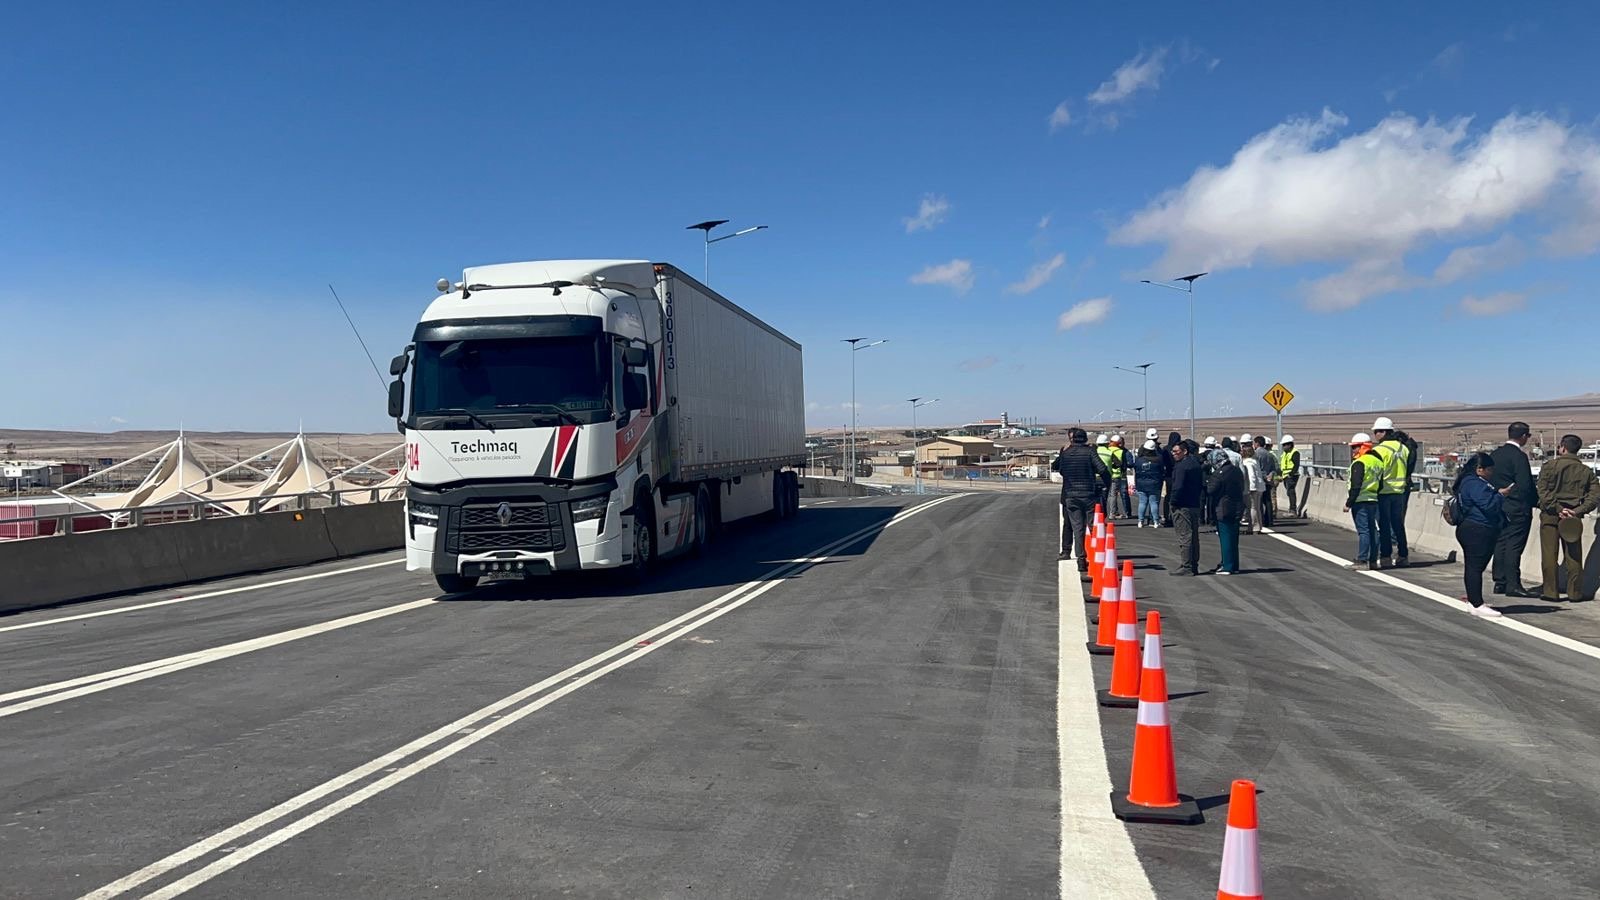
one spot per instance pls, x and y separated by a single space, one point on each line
1360 437
1209 442
1150 445
1287 439
1116 439
1245 438
1150 433
1383 424
1102 440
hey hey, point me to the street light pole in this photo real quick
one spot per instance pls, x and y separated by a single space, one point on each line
1144 372
1188 288
706 227
855 345
916 464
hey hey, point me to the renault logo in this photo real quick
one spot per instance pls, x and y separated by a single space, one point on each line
503 514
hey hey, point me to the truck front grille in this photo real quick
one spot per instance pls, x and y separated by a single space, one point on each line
532 525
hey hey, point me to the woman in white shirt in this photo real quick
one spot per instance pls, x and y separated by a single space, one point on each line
1256 485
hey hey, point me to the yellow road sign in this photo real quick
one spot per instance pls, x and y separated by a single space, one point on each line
1278 396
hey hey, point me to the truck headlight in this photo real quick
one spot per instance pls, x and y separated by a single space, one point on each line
592 508
423 514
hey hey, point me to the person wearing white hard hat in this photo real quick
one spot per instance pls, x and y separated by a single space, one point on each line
1268 502
1366 476
1289 472
1102 449
1122 488
1391 447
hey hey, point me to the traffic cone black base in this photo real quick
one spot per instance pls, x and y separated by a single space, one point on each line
1108 699
1187 812
1097 650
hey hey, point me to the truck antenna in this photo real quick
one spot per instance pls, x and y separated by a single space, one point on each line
381 383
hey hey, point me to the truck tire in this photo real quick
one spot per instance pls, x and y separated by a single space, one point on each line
455 584
702 520
794 493
644 536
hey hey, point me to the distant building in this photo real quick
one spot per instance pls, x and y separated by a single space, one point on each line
23 474
956 451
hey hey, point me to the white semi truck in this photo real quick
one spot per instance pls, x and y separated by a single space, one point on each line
589 414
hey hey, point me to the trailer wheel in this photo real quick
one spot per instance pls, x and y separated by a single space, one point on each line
794 493
455 584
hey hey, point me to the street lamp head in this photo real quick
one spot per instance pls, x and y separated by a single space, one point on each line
1191 278
707 225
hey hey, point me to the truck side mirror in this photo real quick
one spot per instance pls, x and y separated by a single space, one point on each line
635 357
636 391
397 399
397 366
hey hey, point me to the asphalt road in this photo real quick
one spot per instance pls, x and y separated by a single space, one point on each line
874 725
868 701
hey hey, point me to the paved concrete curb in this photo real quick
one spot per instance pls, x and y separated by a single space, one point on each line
45 571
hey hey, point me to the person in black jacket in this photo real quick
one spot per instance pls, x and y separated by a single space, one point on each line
1226 487
1513 477
1186 499
1084 480
1173 439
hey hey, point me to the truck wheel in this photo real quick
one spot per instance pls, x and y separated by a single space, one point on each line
794 493
702 519
644 536
456 584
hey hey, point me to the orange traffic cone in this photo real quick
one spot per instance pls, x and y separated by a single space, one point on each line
1153 782
1124 690
1097 560
1092 574
1241 855
1106 634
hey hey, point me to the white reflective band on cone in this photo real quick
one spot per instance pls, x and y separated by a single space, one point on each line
1127 585
1126 631
1152 714
1241 874
1152 651
1108 594
1100 530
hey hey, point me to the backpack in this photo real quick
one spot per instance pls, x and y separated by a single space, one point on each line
1451 512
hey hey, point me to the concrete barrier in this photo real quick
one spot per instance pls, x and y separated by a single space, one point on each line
1427 532
817 488
51 570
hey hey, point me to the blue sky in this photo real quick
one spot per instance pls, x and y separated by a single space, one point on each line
1383 195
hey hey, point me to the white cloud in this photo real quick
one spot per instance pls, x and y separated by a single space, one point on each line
1450 60
1044 221
118 420
979 364
933 210
1363 279
1086 313
1038 276
1143 72
1494 304
813 406
1060 117
1295 194
1465 262
955 274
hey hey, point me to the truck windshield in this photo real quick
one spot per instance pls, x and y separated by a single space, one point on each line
501 380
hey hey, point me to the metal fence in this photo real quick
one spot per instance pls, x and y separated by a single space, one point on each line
1421 483
89 519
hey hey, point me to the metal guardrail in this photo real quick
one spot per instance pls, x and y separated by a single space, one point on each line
1421 483
63 523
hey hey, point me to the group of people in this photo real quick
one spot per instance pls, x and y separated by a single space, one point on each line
1495 496
1182 485
1381 465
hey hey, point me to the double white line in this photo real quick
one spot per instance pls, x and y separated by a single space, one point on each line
437 745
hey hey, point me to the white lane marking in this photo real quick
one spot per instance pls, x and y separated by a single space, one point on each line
104 681
1097 857
639 645
1549 637
205 596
